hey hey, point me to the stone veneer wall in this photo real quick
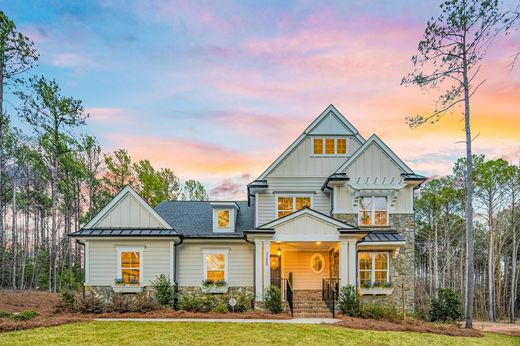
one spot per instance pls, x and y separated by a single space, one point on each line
402 268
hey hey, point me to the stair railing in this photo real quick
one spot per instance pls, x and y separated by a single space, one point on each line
289 295
330 293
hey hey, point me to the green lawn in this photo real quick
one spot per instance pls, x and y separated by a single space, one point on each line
188 333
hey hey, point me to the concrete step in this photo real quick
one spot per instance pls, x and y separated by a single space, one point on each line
312 315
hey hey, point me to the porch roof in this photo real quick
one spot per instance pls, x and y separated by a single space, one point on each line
383 237
343 226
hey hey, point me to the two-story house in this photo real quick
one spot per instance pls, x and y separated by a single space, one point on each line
334 209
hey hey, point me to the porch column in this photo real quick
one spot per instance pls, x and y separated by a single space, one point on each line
343 263
267 264
258 270
352 263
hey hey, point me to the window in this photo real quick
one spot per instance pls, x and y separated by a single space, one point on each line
329 146
289 204
223 218
130 265
373 268
317 263
373 211
215 265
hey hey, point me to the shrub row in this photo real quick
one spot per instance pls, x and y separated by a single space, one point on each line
93 304
22 316
201 302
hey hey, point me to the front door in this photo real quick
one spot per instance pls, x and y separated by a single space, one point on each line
276 272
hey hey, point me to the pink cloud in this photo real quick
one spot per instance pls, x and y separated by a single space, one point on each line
72 60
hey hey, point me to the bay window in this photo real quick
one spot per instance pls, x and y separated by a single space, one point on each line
373 211
373 269
289 204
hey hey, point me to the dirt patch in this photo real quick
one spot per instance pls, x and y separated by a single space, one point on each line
167 313
406 326
498 327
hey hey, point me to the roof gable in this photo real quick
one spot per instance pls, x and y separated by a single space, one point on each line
374 140
308 212
329 122
127 210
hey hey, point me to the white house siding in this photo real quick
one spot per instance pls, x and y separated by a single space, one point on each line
129 212
373 163
309 185
307 228
190 259
345 201
302 163
299 263
103 260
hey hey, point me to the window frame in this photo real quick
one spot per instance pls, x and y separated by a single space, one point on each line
324 146
205 253
293 196
140 250
373 211
373 269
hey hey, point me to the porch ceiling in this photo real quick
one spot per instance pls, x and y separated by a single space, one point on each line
303 246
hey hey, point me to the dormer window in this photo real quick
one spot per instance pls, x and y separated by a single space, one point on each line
223 218
329 146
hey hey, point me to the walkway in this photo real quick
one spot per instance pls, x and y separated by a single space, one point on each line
226 320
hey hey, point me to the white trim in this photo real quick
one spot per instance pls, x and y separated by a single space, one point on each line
232 220
323 146
172 261
258 271
87 262
373 269
329 110
322 261
306 211
215 251
375 139
382 243
293 196
256 209
140 250
126 190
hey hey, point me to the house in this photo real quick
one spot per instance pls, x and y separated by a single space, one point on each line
334 209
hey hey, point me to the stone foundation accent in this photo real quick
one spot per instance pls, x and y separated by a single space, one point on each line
241 289
402 268
106 292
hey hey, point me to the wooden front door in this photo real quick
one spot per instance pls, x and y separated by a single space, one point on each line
276 271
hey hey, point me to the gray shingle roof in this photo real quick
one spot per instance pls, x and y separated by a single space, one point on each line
385 236
194 218
124 232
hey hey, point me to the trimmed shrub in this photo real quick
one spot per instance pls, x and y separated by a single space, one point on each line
446 308
380 312
273 300
6 314
220 308
143 303
91 304
120 303
349 301
244 301
67 301
196 302
163 290
25 315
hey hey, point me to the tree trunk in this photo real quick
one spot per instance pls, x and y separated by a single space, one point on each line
436 257
491 266
514 256
14 238
470 262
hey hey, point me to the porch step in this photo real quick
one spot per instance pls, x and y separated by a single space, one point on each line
311 309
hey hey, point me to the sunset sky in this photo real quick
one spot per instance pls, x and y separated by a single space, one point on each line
217 90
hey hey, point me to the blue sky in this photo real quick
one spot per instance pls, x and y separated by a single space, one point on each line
217 90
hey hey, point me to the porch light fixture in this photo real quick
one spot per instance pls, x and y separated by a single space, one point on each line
318 242
279 251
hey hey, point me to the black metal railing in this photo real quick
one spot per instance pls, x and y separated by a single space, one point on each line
330 293
287 291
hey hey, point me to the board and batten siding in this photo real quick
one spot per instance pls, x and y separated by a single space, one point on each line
266 200
299 264
129 212
190 262
103 260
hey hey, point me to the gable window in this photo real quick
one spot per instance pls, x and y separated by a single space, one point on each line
215 265
373 268
289 204
130 265
223 219
373 211
329 146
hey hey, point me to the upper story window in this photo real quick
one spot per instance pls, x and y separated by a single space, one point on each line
223 218
289 204
373 211
329 146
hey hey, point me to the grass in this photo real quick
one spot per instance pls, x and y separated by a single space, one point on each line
189 333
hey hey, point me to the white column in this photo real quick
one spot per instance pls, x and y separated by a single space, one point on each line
258 270
343 263
352 263
267 264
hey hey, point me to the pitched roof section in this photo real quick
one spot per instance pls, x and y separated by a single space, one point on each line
330 111
195 218
308 211
127 218
374 139
383 237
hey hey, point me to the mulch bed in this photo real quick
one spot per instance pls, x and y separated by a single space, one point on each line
167 313
409 325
